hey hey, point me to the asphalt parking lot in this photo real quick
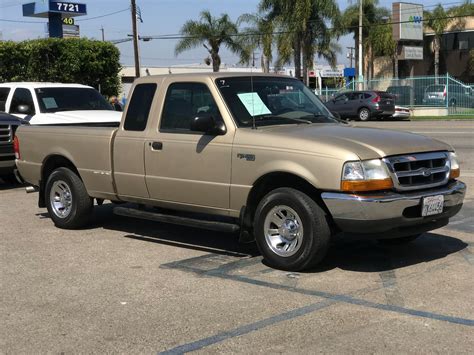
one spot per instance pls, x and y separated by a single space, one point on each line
132 286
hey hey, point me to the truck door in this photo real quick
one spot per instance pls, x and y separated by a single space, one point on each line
184 166
129 143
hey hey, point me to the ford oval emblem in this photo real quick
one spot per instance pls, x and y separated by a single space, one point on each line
426 172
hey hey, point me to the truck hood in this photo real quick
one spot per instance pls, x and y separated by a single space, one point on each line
334 139
86 116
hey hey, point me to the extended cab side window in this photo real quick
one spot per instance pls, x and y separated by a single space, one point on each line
3 98
183 102
139 107
21 97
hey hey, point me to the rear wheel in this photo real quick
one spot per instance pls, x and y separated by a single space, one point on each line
399 241
291 230
364 114
68 203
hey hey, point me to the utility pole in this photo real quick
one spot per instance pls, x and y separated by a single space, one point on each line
350 54
103 35
135 38
360 74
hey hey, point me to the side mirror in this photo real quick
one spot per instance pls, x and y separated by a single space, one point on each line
23 109
208 125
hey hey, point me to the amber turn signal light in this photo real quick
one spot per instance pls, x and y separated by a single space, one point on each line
366 185
455 173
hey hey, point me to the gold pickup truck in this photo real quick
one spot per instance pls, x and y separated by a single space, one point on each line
255 154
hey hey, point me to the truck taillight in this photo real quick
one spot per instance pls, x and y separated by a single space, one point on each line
444 92
376 99
16 147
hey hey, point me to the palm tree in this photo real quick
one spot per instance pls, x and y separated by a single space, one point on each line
212 33
373 17
381 43
439 20
260 36
304 30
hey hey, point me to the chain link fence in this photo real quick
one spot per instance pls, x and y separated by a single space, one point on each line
442 92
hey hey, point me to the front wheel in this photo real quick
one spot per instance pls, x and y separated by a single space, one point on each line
364 114
291 230
68 203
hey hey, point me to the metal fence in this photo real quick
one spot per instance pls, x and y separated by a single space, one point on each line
442 92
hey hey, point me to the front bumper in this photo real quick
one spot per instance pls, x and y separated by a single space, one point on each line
392 213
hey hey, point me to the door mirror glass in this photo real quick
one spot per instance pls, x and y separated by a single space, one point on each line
23 109
208 125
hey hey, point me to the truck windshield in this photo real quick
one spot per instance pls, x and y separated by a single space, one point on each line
272 101
70 99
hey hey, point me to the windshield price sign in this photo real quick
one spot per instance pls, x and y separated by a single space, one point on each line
67 7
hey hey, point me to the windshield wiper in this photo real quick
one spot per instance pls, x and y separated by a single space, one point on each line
315 115
299 120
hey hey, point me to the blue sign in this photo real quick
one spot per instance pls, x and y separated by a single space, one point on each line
64 9
67 7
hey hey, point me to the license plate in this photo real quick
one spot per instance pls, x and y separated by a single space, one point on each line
432 205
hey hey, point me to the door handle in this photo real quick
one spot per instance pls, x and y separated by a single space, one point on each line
156 145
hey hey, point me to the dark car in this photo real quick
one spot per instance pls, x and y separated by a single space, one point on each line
406 95
455 95
363 105
8 126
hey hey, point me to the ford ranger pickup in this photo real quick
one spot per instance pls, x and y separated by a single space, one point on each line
256 154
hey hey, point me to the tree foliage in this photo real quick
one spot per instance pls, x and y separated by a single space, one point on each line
82 61
307 28
212 32
439 20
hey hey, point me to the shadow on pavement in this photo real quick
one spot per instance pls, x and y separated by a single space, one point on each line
351 255
371 256
9 183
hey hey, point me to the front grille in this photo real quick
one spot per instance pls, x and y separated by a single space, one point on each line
5 134
419 171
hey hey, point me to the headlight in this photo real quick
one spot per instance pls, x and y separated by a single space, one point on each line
455 170
368 175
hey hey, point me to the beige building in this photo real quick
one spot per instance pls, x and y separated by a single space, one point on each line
456 56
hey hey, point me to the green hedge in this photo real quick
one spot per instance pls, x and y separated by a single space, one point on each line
83 61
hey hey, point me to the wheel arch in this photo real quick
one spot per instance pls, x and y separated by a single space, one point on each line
51 163
273 180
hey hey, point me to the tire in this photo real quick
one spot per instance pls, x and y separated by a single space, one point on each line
301 220
364 114
399 241
67 201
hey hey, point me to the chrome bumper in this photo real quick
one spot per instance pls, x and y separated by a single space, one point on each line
399 213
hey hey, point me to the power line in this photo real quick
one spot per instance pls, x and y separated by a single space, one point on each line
245 34
105 15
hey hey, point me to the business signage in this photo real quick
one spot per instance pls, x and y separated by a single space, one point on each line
407 21
43 9
411 53
68 21
67 7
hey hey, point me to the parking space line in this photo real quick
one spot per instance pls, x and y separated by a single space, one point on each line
219 273
330 299
248 328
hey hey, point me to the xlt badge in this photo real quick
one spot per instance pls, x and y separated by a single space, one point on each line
248 157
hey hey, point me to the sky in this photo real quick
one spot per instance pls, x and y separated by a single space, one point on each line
160 17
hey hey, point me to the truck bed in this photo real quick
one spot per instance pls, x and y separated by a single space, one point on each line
88 147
